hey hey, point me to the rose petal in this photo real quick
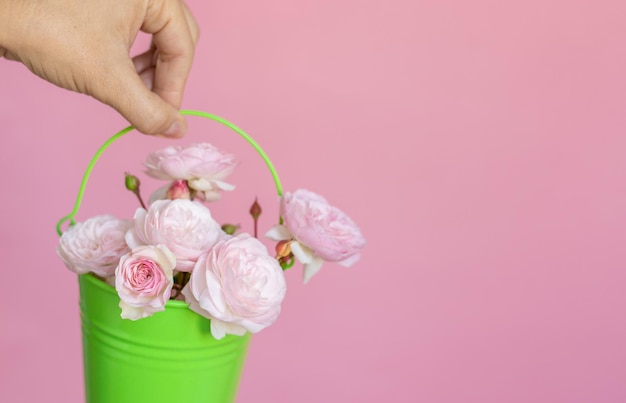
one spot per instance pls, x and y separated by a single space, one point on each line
278 233
201 184
302 253
131 312
219 329
350 261
312 268
224 186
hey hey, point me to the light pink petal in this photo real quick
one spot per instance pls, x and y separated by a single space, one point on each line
210 195
350 261
201 184
223 185
194 305
219 329
252 326
168 257
302 253
131 312
185 265
133 237
214 291
312 268
278 233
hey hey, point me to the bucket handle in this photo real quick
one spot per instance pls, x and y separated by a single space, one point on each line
92 163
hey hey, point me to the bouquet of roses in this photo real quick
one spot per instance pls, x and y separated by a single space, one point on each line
174 248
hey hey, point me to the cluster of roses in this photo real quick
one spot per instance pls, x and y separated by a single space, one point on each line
175 249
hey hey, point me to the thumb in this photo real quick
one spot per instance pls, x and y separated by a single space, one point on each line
144 109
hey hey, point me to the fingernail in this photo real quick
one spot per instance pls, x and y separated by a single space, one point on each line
175 130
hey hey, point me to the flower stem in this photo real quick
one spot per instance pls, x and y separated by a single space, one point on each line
143 205
186 277
133 184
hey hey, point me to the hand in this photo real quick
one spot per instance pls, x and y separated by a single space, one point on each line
84 46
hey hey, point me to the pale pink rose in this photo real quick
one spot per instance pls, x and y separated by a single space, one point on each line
319 232
94 245
237 285
184 226
203 166
143 280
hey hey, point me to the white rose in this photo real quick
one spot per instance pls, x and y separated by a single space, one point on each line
184 226
237 285
202 165
95 245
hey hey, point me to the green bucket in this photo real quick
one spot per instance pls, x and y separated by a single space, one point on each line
168 357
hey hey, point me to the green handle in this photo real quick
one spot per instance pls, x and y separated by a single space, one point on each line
92 163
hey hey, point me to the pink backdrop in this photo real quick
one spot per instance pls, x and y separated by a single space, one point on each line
480 146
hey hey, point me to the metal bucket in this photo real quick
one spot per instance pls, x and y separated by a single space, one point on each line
168 357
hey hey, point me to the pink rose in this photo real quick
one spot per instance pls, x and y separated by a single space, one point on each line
237 285
95 245
143 280
203 166
319 232
184 226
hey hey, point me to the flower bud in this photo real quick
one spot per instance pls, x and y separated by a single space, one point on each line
230 228
255 210
283 249
132 182
178 190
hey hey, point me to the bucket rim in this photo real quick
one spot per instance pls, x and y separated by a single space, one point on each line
98 282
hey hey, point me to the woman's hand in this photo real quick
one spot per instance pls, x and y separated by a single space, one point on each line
84 45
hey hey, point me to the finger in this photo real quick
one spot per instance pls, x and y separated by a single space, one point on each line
144 66
174 49
126 92
144 60
191 23
147 76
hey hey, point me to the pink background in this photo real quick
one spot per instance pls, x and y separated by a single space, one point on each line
480 146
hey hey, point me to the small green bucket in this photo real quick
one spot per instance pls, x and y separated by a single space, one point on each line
168 357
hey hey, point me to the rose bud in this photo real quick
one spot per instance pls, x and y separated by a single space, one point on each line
178 190
230 228
132 182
